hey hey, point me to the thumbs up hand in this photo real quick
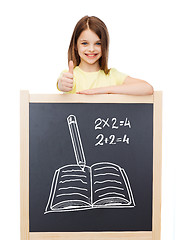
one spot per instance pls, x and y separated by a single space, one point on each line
65 81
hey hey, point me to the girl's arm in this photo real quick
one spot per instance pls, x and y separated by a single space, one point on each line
131 86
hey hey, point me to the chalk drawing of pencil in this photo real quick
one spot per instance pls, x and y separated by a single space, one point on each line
76 141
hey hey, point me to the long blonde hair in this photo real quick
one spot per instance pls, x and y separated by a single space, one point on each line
98 26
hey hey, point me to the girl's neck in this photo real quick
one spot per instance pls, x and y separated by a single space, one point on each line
89 68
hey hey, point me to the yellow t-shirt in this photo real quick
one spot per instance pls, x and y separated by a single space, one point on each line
88 80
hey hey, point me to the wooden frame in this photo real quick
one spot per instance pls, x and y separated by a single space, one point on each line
25 99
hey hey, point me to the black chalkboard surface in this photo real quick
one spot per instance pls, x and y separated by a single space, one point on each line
90 167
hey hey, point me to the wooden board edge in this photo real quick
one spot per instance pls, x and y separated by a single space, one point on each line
79 98
157 165
24 165
91 236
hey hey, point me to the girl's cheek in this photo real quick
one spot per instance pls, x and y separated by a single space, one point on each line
83 48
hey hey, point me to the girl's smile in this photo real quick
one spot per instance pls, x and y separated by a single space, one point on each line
89 50
91 55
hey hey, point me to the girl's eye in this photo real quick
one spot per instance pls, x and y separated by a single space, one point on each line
84 43
98 43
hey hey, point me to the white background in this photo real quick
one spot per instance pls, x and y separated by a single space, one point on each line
146 42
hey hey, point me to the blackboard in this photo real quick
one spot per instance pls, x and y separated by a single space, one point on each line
90 166
112 135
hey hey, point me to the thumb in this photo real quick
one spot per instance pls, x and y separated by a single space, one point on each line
70 66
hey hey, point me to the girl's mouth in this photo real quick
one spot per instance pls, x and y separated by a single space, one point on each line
91 55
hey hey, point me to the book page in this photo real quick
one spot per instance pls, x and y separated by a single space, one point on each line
110 186
71 189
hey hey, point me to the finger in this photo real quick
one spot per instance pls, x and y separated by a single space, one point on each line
67 80
69 85
68 89
68 75
65 86
88 92
83 92
70 66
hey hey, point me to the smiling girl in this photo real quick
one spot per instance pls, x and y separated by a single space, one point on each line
88 64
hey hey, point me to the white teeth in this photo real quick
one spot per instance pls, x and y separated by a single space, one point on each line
91 55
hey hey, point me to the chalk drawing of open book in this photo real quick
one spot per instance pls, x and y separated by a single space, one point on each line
80 187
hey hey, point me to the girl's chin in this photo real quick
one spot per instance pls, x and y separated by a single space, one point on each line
89 66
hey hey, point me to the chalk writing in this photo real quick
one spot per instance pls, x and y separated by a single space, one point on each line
114 124
111 139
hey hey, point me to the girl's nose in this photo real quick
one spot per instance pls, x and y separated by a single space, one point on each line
91 47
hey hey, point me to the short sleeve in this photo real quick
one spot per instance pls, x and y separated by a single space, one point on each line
118 77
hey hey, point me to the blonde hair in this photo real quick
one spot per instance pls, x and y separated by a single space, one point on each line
98 26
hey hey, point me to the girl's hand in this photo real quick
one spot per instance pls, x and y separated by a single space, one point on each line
101 90
65 82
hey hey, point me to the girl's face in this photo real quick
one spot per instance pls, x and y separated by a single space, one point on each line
89 50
